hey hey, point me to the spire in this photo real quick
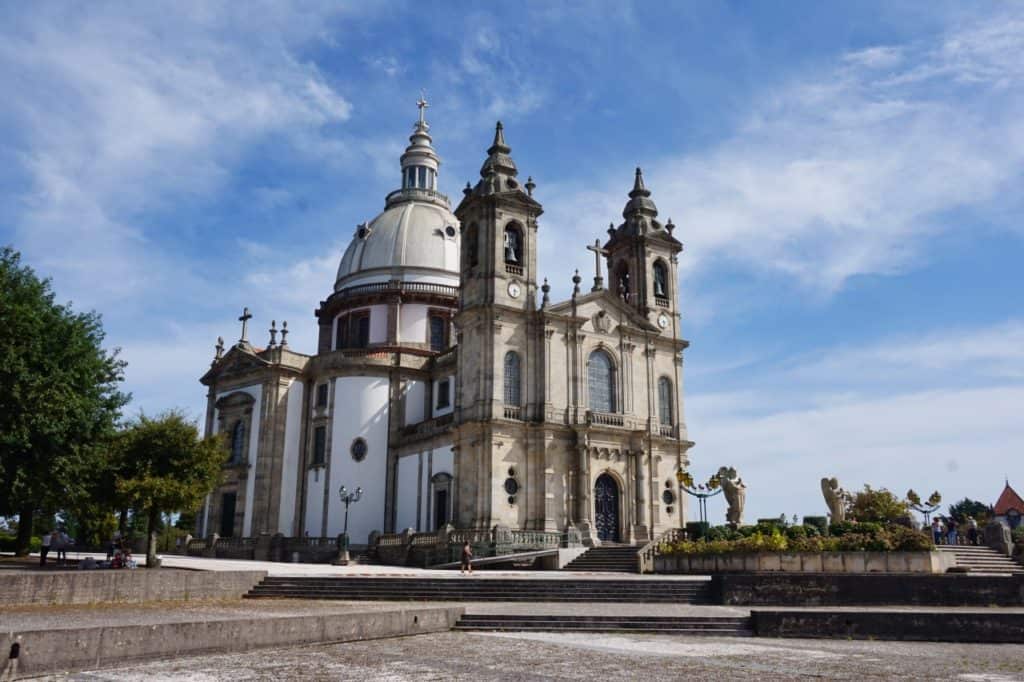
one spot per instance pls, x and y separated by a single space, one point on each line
499 161
640 202
419 164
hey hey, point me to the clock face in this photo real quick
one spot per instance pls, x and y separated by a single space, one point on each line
663 320
514 290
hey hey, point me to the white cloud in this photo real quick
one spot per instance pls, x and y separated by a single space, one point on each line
844 172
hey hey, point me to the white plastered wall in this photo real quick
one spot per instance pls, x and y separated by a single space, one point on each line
413 326
365 416
290 465
408 483
415 401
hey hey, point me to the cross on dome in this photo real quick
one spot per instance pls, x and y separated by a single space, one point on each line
422 104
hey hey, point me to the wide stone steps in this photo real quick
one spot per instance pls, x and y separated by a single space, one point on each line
981 559
607 559
483 589
675 625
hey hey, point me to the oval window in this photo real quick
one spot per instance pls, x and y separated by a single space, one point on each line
358 449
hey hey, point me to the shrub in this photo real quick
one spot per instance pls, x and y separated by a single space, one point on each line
877 505
795 532
1017 535
905 539
8 543
696 529
819 522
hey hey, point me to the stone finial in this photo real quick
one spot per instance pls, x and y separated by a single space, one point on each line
284 333
530 184
468 189
611 229
273 333
545 290
670 226
218 349
576 279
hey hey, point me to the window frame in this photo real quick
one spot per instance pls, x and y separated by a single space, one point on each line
319 455
444 390
666 402
512 394
612 382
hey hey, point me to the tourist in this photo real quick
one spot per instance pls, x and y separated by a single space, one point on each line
936 531
45 549
972 531
467 558
951 531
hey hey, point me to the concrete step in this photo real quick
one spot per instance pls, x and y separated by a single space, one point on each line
683 625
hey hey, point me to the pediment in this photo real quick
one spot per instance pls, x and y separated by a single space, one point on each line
239 359
603 312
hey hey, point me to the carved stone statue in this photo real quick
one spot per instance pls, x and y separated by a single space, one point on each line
835 498
735 494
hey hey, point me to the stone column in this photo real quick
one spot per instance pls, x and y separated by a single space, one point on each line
642 534
585 510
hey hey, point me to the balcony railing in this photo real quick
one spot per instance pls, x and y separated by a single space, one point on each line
514 269
399 287
514 412
605 418
667 430
663 302
429 426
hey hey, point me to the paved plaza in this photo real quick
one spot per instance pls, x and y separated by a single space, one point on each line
551 656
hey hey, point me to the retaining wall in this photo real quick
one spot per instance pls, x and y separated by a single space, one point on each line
933 626
88 648
873 589
125 586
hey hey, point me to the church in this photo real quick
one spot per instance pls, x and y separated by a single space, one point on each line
450 389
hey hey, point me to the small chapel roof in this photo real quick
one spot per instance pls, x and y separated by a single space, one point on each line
1008 499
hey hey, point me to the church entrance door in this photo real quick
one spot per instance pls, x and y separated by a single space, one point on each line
606 508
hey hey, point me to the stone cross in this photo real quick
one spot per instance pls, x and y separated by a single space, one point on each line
244 319
598 252
422 104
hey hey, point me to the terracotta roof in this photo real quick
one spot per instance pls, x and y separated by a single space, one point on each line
1009 499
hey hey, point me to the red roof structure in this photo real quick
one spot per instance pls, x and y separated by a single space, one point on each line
1008 499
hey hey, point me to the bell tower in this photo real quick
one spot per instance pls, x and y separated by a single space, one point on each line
643 257
499 234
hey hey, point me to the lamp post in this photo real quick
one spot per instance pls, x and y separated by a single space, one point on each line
927 508
701 491
347 499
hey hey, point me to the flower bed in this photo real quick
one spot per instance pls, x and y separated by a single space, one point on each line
849 548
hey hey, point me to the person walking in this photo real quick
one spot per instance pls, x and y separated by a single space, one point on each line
45 549
936 531
972 531
951 536
63 540
467 559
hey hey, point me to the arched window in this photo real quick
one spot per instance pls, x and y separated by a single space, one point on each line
438 333
660 280
513 245
237 442
622 283
512 378
665 401
601 382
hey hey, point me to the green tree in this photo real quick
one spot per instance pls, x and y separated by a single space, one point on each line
879 506
968 507
166 467
59 397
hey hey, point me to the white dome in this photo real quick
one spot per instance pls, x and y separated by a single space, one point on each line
411 235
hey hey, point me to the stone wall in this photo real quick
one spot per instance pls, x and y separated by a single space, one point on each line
945 626
832 589
805 562
125 586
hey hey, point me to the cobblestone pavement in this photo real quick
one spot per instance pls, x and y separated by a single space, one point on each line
545 656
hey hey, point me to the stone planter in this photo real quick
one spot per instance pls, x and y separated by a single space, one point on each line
804 562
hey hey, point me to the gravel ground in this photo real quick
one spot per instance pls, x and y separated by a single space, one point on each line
521 656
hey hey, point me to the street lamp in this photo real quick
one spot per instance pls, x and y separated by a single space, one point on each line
347 499
701 491
925 508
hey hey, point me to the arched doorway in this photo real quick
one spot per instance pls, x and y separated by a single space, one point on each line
606 508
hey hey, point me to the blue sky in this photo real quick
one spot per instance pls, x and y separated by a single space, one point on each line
845 176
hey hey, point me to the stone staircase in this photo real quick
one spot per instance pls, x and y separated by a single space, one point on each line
718 626
606 559
473 588
980 559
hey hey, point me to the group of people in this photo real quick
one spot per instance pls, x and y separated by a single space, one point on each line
119 552
58 541
948 532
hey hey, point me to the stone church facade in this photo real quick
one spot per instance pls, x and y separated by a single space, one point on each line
450 388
